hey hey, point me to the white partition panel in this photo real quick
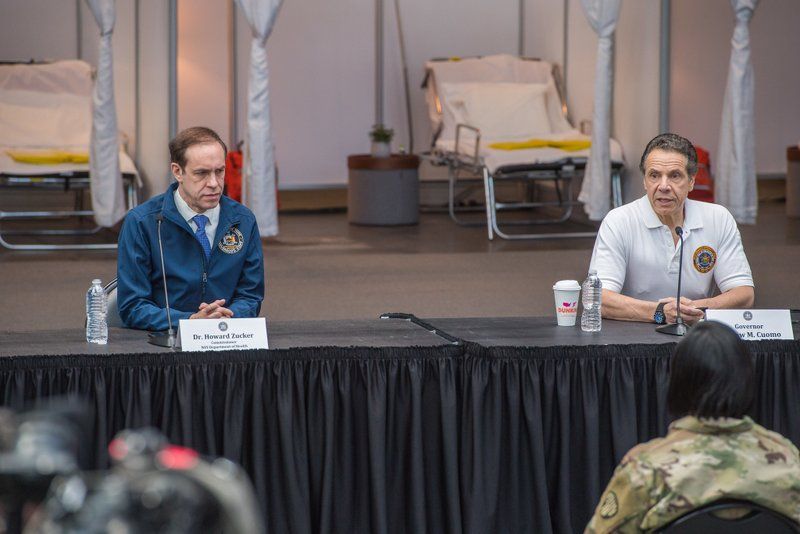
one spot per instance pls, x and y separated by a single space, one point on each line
321 72
153 153
701 41
544 30
204 65
322 87
636 85
444 28
37 29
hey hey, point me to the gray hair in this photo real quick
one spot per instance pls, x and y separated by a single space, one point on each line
671 142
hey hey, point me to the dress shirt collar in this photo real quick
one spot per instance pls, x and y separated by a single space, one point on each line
188 213
691 214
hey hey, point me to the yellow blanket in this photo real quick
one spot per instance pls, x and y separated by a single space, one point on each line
47 157
570 145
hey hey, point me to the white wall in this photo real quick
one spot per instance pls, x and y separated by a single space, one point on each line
445 28
636 86
153 153
204 65
581 56
23 24
544 30
634 108
322 89
701 35
321 69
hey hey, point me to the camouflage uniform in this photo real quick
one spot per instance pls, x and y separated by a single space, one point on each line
698 462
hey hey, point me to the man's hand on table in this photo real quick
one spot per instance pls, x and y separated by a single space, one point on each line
689 313
214 310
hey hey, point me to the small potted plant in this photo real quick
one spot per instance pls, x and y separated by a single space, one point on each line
381 138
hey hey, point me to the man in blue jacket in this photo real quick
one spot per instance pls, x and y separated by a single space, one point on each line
212 248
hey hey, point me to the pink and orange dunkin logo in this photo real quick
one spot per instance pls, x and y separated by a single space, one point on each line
568 307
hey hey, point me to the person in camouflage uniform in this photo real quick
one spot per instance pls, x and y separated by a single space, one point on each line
712 452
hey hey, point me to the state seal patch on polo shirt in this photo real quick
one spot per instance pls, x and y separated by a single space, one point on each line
704 259
232 242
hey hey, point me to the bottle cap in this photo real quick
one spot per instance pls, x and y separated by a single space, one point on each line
96 281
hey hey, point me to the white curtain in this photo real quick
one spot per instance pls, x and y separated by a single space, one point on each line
108 200
596 191
735 180
258 177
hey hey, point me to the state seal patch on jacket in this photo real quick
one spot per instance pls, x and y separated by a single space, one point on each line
232 242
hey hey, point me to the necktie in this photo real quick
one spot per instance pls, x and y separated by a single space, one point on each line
200 234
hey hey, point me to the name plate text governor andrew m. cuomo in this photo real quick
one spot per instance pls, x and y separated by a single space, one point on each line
223 334
756 325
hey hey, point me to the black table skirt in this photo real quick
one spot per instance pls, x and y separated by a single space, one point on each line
451 439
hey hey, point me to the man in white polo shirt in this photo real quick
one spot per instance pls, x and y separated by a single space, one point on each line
637 250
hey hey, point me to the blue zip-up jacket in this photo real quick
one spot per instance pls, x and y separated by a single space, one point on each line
235 271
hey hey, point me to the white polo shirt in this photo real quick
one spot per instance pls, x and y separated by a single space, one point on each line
635 255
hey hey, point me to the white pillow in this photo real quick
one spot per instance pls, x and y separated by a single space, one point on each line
499 110
453 111
34 119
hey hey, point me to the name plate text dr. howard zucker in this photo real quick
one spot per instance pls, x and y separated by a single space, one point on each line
756 325
223 334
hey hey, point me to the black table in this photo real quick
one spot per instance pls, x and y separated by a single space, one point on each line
543 332
382 426
374 333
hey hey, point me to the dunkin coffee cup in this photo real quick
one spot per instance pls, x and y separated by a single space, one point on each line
567 294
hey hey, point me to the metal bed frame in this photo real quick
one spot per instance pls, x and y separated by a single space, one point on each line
470 168
72 181
76 182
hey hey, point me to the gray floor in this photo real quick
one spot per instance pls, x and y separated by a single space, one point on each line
320 267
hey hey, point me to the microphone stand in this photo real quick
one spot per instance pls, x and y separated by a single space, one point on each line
679 328
166 339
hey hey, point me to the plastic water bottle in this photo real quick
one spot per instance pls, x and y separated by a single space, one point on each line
591 319
96 325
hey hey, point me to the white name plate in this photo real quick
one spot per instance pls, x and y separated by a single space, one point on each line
223 334
756 325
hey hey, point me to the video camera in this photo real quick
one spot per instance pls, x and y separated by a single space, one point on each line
152 486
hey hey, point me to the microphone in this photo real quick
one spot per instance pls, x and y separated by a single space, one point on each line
160 338
679 328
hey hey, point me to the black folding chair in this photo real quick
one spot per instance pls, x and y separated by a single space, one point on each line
707 520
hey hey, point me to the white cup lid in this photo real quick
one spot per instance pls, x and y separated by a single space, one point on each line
567 285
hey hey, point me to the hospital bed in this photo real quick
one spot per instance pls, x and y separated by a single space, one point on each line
45 126
502 119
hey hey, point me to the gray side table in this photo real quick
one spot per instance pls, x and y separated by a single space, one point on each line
383 191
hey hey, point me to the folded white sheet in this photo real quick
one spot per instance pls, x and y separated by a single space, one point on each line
494 158
11 167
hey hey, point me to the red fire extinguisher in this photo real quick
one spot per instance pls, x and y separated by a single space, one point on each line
233 175
703 181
